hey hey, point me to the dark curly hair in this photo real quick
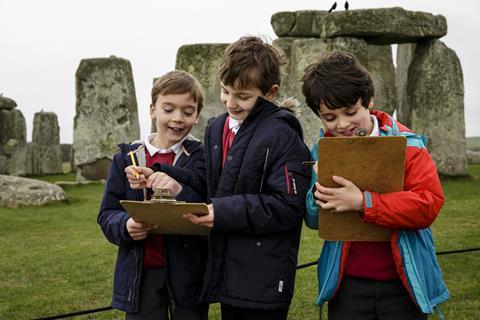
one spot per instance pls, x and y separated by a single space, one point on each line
337 80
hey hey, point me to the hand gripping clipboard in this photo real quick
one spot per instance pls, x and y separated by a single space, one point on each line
168 216
373 164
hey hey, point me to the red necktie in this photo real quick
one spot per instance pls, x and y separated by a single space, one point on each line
227 140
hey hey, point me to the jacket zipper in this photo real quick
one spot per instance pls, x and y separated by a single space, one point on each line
131 294
264 170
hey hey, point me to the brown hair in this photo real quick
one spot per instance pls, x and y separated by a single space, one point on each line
178 82
251 62
337 80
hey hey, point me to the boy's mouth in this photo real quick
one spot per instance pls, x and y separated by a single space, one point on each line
235 111
348 133
176 129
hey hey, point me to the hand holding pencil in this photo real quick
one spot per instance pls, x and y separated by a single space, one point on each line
138 176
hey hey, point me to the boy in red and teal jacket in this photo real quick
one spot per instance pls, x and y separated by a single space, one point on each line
400 279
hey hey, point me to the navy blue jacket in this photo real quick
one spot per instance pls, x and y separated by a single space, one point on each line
185 255
259 203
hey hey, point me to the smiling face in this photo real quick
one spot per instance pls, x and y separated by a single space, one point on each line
342 122
175 115
240 102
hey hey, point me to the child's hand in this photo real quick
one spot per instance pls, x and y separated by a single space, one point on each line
206 220
138 230
137 176
346 198
162 180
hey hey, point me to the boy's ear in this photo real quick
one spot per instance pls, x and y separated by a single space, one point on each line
272 92
370 104
152 111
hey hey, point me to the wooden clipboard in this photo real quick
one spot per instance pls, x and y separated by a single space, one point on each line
373 164
167 216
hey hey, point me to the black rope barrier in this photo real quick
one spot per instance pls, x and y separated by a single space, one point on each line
300 266
73 314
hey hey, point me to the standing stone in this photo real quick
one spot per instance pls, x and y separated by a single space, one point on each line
203 61
106 114
404 57
381 68
435 95
13 144
301 52
45 154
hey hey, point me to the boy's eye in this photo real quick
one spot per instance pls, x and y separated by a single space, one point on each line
328 118
244 97
351 113
167 110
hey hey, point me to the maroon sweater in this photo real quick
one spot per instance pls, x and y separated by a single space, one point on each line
154 256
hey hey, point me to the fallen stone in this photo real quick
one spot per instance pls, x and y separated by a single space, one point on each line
473 157
16 191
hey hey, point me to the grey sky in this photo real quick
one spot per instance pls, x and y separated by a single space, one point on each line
42 43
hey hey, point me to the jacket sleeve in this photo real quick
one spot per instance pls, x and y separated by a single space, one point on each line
417 206
311 219
112 218
282 204
192 178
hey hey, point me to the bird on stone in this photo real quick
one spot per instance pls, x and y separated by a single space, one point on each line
333 7
346 5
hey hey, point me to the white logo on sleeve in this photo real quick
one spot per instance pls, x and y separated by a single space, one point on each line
280 286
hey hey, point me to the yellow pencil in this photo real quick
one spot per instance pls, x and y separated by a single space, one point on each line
133 162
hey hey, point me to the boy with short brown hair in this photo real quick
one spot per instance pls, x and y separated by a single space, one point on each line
154 270
257 185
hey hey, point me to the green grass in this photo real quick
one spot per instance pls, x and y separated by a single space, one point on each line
55 259
473 143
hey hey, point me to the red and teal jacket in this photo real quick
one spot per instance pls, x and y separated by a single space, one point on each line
410 213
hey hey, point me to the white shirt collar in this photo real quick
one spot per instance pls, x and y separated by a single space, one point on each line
152 150
234 125
376 129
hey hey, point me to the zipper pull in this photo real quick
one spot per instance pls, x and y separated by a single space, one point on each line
294 185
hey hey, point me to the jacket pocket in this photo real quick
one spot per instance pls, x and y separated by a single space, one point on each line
296 177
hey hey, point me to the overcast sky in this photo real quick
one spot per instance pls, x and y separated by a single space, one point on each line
43 41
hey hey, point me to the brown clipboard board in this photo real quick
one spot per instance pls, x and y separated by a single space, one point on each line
373 164
167 216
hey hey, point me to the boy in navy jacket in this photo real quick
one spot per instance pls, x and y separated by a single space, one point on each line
257 187
159 275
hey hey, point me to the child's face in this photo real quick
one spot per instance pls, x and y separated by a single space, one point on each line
342 122
239 103
174 115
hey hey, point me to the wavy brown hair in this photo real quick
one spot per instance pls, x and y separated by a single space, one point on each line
251 62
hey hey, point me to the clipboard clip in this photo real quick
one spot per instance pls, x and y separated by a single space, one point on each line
360 132
163 195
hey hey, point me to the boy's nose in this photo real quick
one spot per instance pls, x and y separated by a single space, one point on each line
229 102
177 116
342 124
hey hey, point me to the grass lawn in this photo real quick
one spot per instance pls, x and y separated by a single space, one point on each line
473 143
55 259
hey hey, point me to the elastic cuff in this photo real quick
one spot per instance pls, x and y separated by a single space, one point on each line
367 199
